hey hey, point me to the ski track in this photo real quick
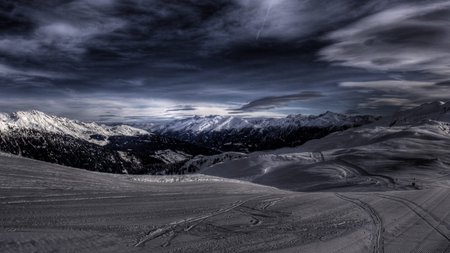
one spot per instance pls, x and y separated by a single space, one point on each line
377 236
61 200
171 227
422 214
381 178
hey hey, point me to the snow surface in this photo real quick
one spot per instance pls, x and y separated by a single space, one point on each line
50 208
39 121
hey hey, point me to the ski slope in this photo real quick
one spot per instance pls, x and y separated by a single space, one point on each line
46 207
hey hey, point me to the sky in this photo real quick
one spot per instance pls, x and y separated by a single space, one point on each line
150 60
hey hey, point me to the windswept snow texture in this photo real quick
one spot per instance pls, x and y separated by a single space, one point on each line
39 121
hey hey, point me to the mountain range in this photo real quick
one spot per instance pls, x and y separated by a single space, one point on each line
162 149
228 133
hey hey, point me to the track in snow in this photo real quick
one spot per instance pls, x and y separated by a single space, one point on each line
189 223
423 214
377 235
381 178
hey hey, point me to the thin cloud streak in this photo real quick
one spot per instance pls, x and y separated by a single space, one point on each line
271 102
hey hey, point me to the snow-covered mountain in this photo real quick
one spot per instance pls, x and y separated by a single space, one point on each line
198 124
217 123
117 149
399 152
39 121
227 133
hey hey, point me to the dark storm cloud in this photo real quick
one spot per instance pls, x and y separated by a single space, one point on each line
147 57
276 101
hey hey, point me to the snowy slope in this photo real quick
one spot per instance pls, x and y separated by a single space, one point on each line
39 121
412 151
437 111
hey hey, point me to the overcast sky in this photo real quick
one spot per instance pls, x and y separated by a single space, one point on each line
111 60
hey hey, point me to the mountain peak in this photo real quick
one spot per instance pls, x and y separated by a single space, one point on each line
31 113
39 121
34 112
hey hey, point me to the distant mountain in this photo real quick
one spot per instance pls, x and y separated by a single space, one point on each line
216 123
198 124
227 133
116 149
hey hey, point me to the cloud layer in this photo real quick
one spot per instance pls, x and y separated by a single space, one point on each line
212 57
